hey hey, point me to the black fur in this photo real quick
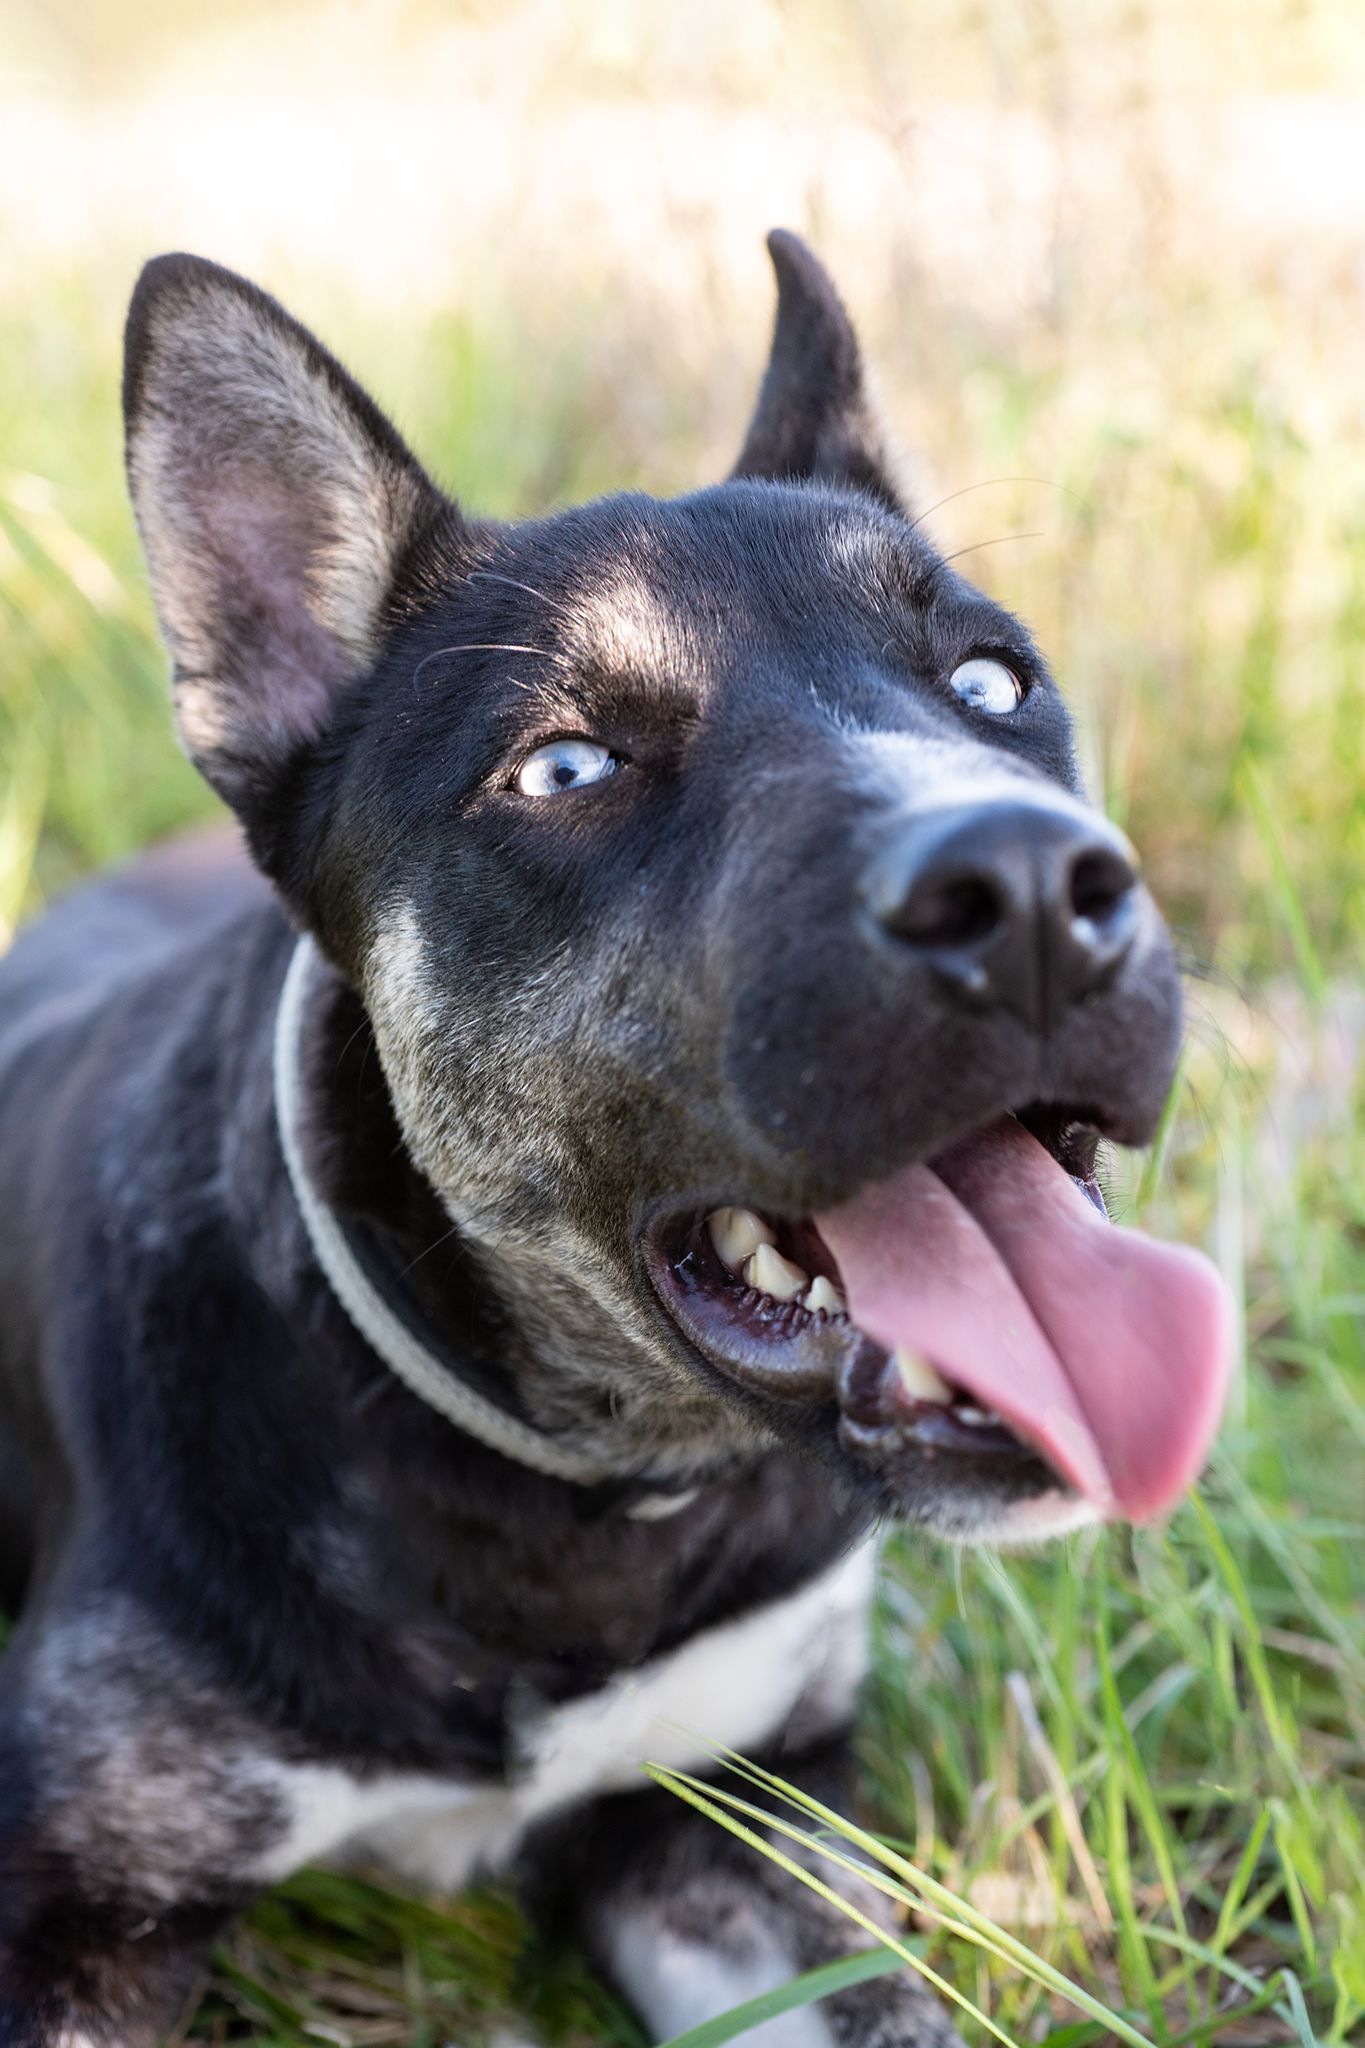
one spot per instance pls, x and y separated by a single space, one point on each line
233 1535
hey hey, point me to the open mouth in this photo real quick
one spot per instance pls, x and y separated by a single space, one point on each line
977 1308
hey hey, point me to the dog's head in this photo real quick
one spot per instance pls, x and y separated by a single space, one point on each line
751 979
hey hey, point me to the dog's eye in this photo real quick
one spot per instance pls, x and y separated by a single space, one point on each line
564 764
987 685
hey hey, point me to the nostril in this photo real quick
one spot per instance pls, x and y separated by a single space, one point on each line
1022 904
1101 882
951 911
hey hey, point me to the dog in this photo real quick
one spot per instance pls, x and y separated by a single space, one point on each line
478 1270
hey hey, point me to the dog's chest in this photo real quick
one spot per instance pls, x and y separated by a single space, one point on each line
793 1665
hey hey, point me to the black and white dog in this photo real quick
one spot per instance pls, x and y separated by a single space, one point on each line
464 1306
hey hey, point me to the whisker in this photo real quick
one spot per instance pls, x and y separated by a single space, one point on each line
1034 533
987 483
361 1026
444 1238
485 647
493 576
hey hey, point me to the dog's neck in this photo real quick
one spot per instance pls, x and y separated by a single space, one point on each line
372 1221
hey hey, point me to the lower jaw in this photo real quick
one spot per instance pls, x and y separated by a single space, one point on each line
806 1368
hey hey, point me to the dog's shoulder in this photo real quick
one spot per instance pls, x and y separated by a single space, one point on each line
121 1036
123 1011
120 925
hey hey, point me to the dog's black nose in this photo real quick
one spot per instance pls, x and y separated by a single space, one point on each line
1017 902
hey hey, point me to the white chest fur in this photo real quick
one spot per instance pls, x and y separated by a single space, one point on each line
738 1686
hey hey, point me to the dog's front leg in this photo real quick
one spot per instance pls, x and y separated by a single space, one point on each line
137 1814
78 1971
687 1921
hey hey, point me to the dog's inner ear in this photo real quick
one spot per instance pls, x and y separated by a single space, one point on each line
276 505
815 417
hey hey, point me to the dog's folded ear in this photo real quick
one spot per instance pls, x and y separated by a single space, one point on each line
815 416
277 508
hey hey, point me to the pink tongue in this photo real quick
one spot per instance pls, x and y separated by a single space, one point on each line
1106 1351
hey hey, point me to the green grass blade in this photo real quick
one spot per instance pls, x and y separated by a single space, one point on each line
1284 888
803 1990
675 1782
958 1915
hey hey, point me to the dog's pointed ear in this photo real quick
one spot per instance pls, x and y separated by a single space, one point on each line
815 417
277 507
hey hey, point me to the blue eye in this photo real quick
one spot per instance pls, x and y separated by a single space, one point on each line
564 764
987 686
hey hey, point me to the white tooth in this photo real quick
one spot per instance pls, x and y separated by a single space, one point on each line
737 1235
771 1274
979 1418
824 1294
920 1380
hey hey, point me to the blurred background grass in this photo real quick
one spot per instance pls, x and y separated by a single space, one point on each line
1109 257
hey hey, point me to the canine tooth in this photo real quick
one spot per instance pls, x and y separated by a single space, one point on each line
771 1274
737 1235
824 1294
920 1380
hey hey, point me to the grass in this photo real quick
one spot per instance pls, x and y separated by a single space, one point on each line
1118 1788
